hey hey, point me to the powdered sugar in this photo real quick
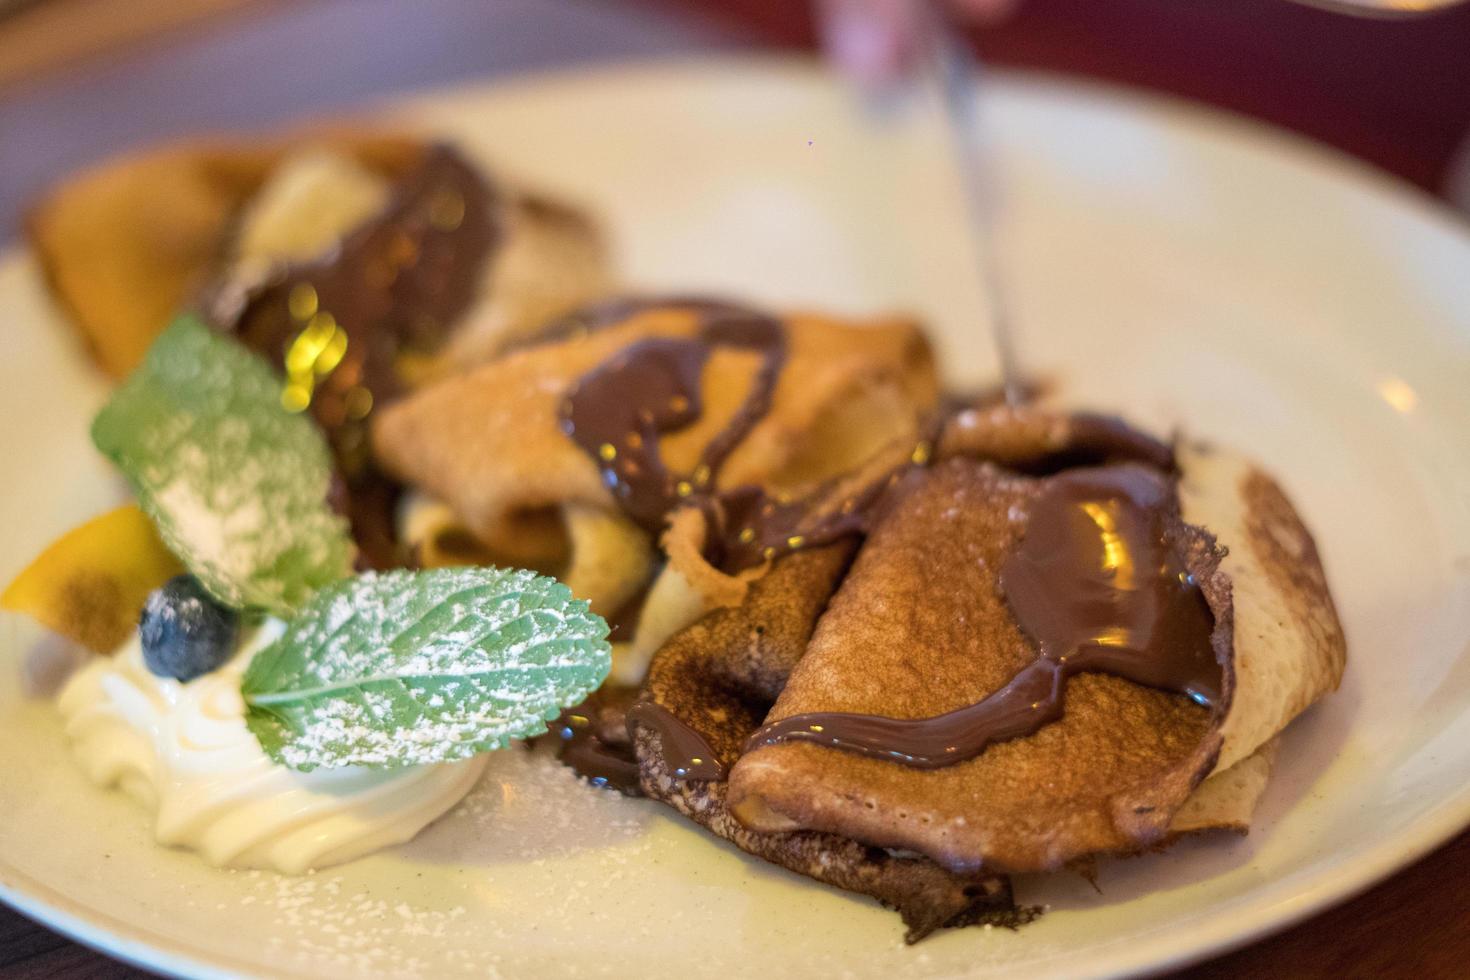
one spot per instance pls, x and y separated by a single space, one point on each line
410 668
527 813
236 484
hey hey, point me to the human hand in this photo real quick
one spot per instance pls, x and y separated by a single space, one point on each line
878 40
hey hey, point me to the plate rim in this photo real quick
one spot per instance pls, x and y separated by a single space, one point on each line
1317 891
136 946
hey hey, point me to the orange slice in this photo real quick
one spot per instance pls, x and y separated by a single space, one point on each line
90 584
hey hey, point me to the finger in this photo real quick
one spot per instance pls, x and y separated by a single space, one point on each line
871 40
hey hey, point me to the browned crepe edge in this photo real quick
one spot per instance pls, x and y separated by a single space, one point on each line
1291 649
1031 439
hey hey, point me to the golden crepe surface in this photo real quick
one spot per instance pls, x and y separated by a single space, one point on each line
127 244
1115 774
718 677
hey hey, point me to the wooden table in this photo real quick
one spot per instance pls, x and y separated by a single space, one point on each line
87 97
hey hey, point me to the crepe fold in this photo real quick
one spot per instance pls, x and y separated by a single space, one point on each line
920 627
1289 644
719 677
126 244
489 444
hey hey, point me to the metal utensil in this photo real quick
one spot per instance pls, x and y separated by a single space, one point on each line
948 68
950 71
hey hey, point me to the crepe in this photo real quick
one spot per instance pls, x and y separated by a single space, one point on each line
920 627
1028 439
719 676
489 443
610 556
1227 799
130 242
1033 439
124 243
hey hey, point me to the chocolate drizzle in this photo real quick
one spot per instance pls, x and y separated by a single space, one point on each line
395 284
600 763
1097 586
618 411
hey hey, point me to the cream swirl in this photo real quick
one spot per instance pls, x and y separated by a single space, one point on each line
184 751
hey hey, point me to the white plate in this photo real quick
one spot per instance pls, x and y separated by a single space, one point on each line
1181 266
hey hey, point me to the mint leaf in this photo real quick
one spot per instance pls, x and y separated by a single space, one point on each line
404 668
236 484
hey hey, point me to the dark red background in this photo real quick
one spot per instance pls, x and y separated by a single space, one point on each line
1396 92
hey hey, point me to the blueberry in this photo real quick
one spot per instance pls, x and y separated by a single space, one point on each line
185 632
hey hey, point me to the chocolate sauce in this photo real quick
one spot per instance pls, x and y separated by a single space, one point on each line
687 754
618 411
1097 586
397 283
338 326
595 739
592 738
750 526
600 763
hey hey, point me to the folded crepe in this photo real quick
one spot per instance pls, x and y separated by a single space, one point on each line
128 243
1214 485
719 677
1214 488
490 444
920 627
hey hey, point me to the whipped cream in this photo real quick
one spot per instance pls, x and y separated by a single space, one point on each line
184 751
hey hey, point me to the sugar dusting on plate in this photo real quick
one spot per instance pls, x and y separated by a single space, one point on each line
527 813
